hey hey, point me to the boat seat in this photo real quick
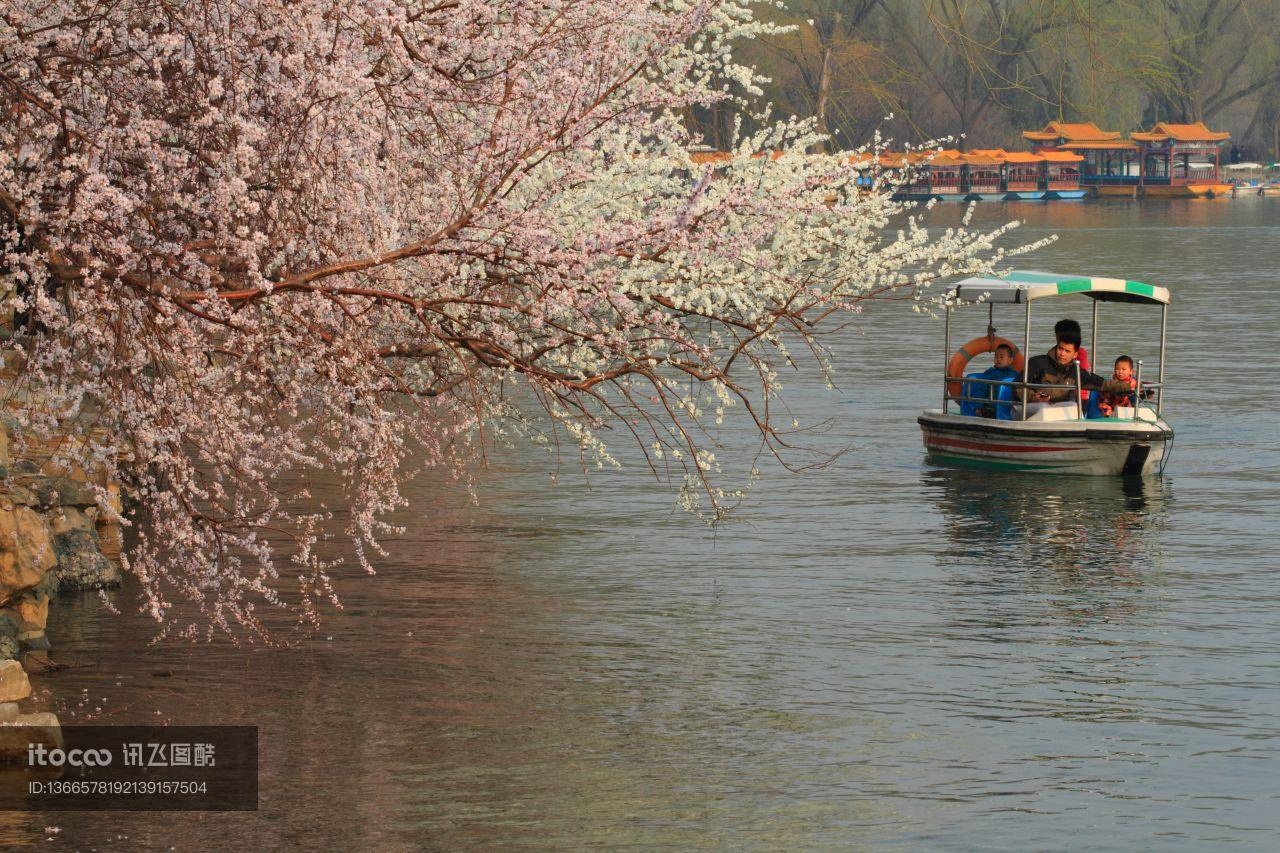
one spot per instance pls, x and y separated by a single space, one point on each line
1126 413
1052 412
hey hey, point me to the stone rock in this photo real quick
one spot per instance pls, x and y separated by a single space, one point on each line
13 496
81 564
26 551
9 647
30 611
67 519
61 469
111 541
47 587
8 711
115 498
24 467
87 569
56 491
25 729
14 684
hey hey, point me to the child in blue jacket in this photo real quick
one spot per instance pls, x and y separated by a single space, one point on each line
1001 371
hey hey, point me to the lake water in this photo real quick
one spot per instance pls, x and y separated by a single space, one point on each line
880 654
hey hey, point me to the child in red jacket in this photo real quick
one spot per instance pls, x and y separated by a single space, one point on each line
1124 373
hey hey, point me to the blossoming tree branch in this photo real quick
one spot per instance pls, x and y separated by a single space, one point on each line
248 238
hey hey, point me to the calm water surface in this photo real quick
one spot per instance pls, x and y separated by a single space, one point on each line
880 654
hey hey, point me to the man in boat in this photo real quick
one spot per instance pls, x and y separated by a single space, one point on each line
1068 326
1058 367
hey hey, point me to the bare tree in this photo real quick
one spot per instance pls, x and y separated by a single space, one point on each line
824 49
978 60
1196 59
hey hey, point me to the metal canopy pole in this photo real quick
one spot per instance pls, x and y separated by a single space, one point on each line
1164 321
1026 359
1079 394
1093 339
946 359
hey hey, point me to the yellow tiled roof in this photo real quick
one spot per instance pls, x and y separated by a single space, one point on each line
1197 132
1072 132
1100 144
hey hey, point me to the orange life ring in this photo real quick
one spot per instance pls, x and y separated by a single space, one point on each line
977 346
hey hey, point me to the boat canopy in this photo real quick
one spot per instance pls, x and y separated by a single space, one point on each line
1025 285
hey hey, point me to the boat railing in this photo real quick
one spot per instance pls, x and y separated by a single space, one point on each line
1120 180
1204 174
1148 391
1015 385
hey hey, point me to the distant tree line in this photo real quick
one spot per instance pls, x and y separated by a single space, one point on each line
981 71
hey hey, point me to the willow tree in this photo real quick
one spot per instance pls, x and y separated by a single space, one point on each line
1196 60
826 64
980 68
971 68
258 237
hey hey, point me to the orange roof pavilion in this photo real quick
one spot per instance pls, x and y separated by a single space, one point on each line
1082 136
1060 157
1168 132
1023 157
1100 145
1071 132
983 158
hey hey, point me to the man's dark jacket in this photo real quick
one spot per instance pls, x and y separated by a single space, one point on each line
1045 368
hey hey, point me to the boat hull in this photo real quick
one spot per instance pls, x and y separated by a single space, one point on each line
1187 191
1024 195
1095 447
1114 190
1065 195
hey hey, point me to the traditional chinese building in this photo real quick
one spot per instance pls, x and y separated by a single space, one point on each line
1062 175
1023 175
1168 160
984 175
1181 160
1110 165
946 177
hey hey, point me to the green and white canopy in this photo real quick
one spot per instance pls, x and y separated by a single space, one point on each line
1026 285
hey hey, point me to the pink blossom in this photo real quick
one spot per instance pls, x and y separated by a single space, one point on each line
263 237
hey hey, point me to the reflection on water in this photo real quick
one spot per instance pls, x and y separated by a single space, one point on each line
1073 525
1085 550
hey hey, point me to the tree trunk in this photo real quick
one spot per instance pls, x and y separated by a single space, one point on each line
826 37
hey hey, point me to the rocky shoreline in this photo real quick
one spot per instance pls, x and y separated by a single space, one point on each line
53 539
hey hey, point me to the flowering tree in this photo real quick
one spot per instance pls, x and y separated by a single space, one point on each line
258 236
